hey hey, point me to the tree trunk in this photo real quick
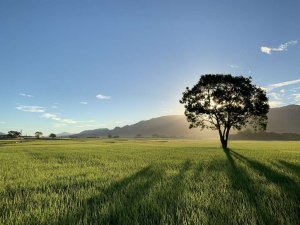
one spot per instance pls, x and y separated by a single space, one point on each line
224 143
224 138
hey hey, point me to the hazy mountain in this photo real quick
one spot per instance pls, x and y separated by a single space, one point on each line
165 126
64 134
2 133
248 135
281 120
93 133
284 119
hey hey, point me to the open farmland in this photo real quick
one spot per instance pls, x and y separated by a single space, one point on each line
143 181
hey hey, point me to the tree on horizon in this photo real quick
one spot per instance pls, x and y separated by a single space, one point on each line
38 134
13 134
52 135
223 102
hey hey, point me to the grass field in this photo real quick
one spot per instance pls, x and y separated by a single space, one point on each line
89 181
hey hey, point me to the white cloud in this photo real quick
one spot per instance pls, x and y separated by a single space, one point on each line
234 66
64 121
274 104
55 117
280 48
70 121
26 95
99 96
83 103
282 91
282 84
34 109
275 95
60 121
51 116
265 50
296 97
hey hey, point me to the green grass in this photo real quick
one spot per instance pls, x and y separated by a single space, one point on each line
149 182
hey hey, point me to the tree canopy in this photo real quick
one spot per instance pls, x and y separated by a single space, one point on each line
222 102
52 135
38 134
13 134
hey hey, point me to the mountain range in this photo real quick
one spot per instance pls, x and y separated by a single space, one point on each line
284 119
64 134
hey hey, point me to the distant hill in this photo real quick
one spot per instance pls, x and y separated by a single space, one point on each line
281 120
165 126
64 134
2 133
93 133
248 135
284 119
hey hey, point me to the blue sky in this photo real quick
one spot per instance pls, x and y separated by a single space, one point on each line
76 65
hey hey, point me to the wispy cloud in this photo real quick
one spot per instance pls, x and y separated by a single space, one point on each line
279 96
275 95
280 48
282 84
83 103
55 117
64 121
34 109
51 116
234 66
2 122
26 95
297 97
99 96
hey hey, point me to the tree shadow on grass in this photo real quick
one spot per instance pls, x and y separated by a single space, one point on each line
123 202
291 166
285 183
145 197
241 182
170 198
142 198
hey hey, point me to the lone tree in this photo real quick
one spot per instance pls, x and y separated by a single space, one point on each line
221 102
52 135
38 134
13 134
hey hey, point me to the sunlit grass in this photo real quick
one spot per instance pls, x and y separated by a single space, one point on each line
89 181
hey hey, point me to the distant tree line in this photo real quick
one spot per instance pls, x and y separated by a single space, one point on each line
265 136
16 134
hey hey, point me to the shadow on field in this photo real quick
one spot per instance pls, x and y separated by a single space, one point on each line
284 182
145 197
254 191
291 166
241 182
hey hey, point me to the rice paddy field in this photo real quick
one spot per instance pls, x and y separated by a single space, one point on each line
144 181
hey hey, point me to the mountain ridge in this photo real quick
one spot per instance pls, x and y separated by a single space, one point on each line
280 120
